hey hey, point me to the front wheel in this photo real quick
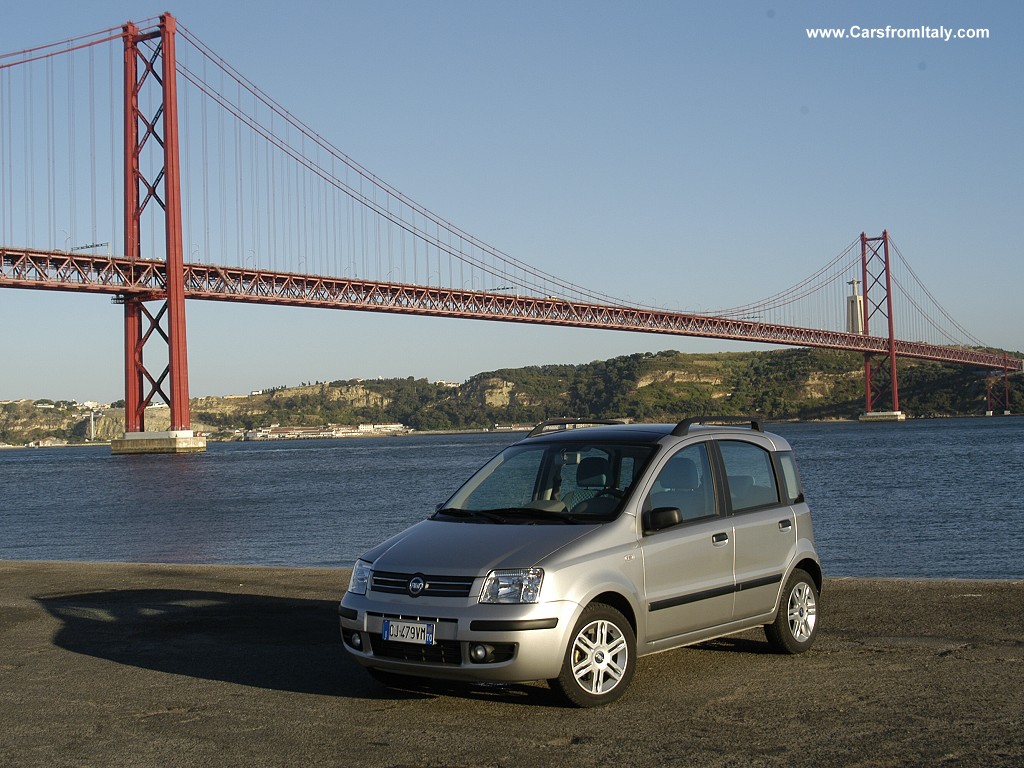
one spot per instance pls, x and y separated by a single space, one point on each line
600 660
796 623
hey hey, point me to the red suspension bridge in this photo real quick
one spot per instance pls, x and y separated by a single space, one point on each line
273 213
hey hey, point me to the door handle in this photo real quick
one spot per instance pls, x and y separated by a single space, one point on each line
785 525
720 539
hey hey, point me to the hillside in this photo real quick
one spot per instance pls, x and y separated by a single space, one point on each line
801 384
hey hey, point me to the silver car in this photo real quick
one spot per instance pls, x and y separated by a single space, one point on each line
580 548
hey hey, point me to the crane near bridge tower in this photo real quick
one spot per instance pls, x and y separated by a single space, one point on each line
301 224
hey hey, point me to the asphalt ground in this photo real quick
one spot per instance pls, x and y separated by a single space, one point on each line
158 665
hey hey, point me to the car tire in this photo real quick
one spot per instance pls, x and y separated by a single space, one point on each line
600 659
796 622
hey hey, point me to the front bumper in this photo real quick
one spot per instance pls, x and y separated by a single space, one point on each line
471 641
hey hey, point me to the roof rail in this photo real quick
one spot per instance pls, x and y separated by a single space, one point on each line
683 427
559 425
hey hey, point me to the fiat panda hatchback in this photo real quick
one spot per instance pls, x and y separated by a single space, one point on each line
580 548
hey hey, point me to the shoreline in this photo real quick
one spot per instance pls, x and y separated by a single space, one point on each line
134 664
516 431
910 580
411 433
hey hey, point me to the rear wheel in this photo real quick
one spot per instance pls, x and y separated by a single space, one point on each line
600 660
796 623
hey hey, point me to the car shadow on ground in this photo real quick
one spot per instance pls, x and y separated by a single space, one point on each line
277 643
751 643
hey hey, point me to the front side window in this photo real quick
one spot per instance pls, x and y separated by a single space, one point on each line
554 482
749 474
685 483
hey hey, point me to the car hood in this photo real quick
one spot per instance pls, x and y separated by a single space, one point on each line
468 549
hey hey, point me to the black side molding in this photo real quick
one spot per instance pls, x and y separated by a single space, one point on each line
695 597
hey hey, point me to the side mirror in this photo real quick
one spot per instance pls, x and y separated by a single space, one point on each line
661 518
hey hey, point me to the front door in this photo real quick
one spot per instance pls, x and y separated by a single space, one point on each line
688 568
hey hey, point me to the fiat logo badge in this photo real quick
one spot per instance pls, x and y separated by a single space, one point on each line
416 586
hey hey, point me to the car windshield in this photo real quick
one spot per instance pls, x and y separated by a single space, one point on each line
578 482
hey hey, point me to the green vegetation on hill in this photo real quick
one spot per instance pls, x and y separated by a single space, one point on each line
801 384
791 384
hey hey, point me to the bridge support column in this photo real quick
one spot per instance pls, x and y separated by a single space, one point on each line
997 399
168 322
880 377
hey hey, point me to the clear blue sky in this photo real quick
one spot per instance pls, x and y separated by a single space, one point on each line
679 153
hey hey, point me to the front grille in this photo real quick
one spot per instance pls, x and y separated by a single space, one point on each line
436 586
441 652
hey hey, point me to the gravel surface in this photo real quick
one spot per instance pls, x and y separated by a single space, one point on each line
159 665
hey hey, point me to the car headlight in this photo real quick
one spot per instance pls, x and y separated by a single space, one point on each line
521 585
360 580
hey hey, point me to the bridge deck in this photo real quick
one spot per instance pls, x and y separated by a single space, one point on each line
57 270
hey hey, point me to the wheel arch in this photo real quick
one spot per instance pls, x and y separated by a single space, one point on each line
812 568
619 602
808 565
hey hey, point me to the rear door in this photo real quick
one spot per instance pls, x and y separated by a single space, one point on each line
764 524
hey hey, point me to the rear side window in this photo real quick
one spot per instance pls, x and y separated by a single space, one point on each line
749 473
791 478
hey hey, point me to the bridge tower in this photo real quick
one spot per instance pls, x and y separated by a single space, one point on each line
880 379
152 189
998 400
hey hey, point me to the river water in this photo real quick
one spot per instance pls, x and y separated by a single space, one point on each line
926 498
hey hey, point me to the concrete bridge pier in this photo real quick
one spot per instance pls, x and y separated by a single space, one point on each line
883 416
176 441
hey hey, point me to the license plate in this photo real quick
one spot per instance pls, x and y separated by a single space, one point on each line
417 633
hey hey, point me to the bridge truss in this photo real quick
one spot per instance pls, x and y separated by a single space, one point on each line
147 279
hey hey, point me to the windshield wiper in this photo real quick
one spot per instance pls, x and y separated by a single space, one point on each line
466 514
505 515
524 514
